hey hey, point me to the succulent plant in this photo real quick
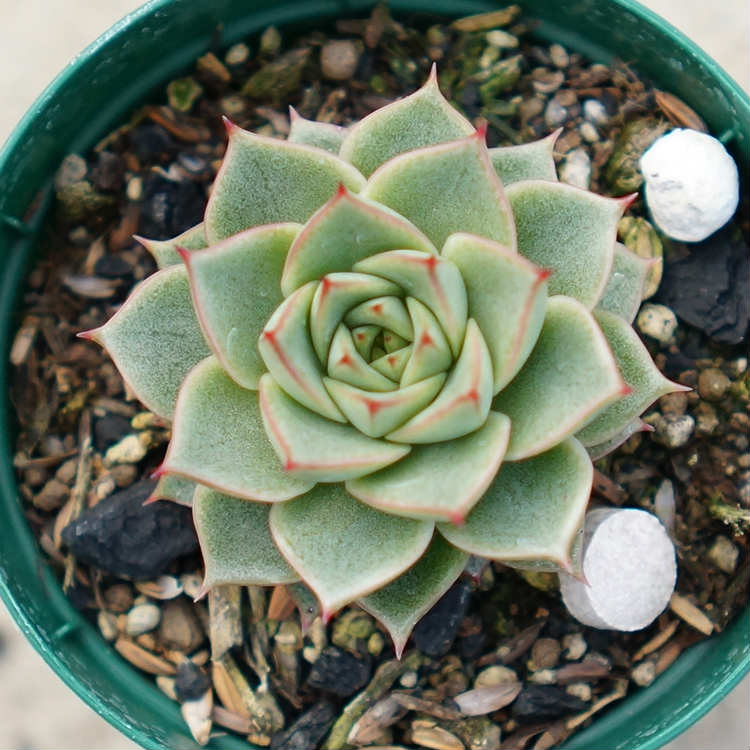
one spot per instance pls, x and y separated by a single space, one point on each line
385 349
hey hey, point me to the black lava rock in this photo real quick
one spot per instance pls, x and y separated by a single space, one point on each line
124 537
170 207
436 631
339 672
708 286
307 732
545 702
191 682
109 429
109 173
112 267
151 142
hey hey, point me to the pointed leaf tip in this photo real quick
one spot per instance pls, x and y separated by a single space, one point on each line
229 126
89 335
457 518
626 201
341 191
184 253
481 131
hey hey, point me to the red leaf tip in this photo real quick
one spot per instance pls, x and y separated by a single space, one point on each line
457 518
228 125
325 616
544 274
626 390
151 499
341 190
293 114
159 472
481 131
88 335
184 253
432 78
626 201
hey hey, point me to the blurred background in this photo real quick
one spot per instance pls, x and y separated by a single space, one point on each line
37 39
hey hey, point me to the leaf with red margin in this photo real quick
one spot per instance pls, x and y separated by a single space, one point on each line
346 364
338 545
235 288
312 447
165 251
155 339
324 135
268 181
218 439
400 605
441 481
451 187
626 284
570 375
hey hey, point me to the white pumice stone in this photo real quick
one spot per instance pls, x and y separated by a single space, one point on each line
629 570
691 184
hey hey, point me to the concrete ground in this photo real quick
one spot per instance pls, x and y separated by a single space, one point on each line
37 38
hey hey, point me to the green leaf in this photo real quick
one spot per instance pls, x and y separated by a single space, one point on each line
154 339
639 372
235 287
626 284
432 280
393 364
236 542
346 364
268 181
464 402
289 356
386 312
568 231
400 605
364 337
312 447
336 294
529 161
342 549
570 374
532 512
343 231
507 298
165 251
448 188
324 135
602 449
422 119
441 481
392 342
218 439
375 414
175 488
431 353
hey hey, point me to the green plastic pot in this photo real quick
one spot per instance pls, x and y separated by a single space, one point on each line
130 63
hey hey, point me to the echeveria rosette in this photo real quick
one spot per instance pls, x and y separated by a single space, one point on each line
386 348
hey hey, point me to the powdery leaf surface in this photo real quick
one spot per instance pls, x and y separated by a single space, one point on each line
532 512
441 481
337 544
156 324
626 284
236 542
218 439
165 251
175 488
323 135
529 161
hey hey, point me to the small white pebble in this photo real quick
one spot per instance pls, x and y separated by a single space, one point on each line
664 505
501 39
580 690
559 56
691 184
630 571
409 679
554 114
657 321
644 674
142 618
495 675
595 112
576 168
134 189
575 646
674 432
588 132
543 677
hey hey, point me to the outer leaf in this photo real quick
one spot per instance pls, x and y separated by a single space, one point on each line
448 188
375 414
435 282
393 364
346 364
267 181
324 135
386 312
312 447
626 284
602 449
235 288
441 481
165 251
529 161
218 439
400 605
336 544
570 375
172 487
431 353
464 402
532 512
422 119
640 373
507 298
288 353
236 542
343 231
336 294
155 339
570 231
